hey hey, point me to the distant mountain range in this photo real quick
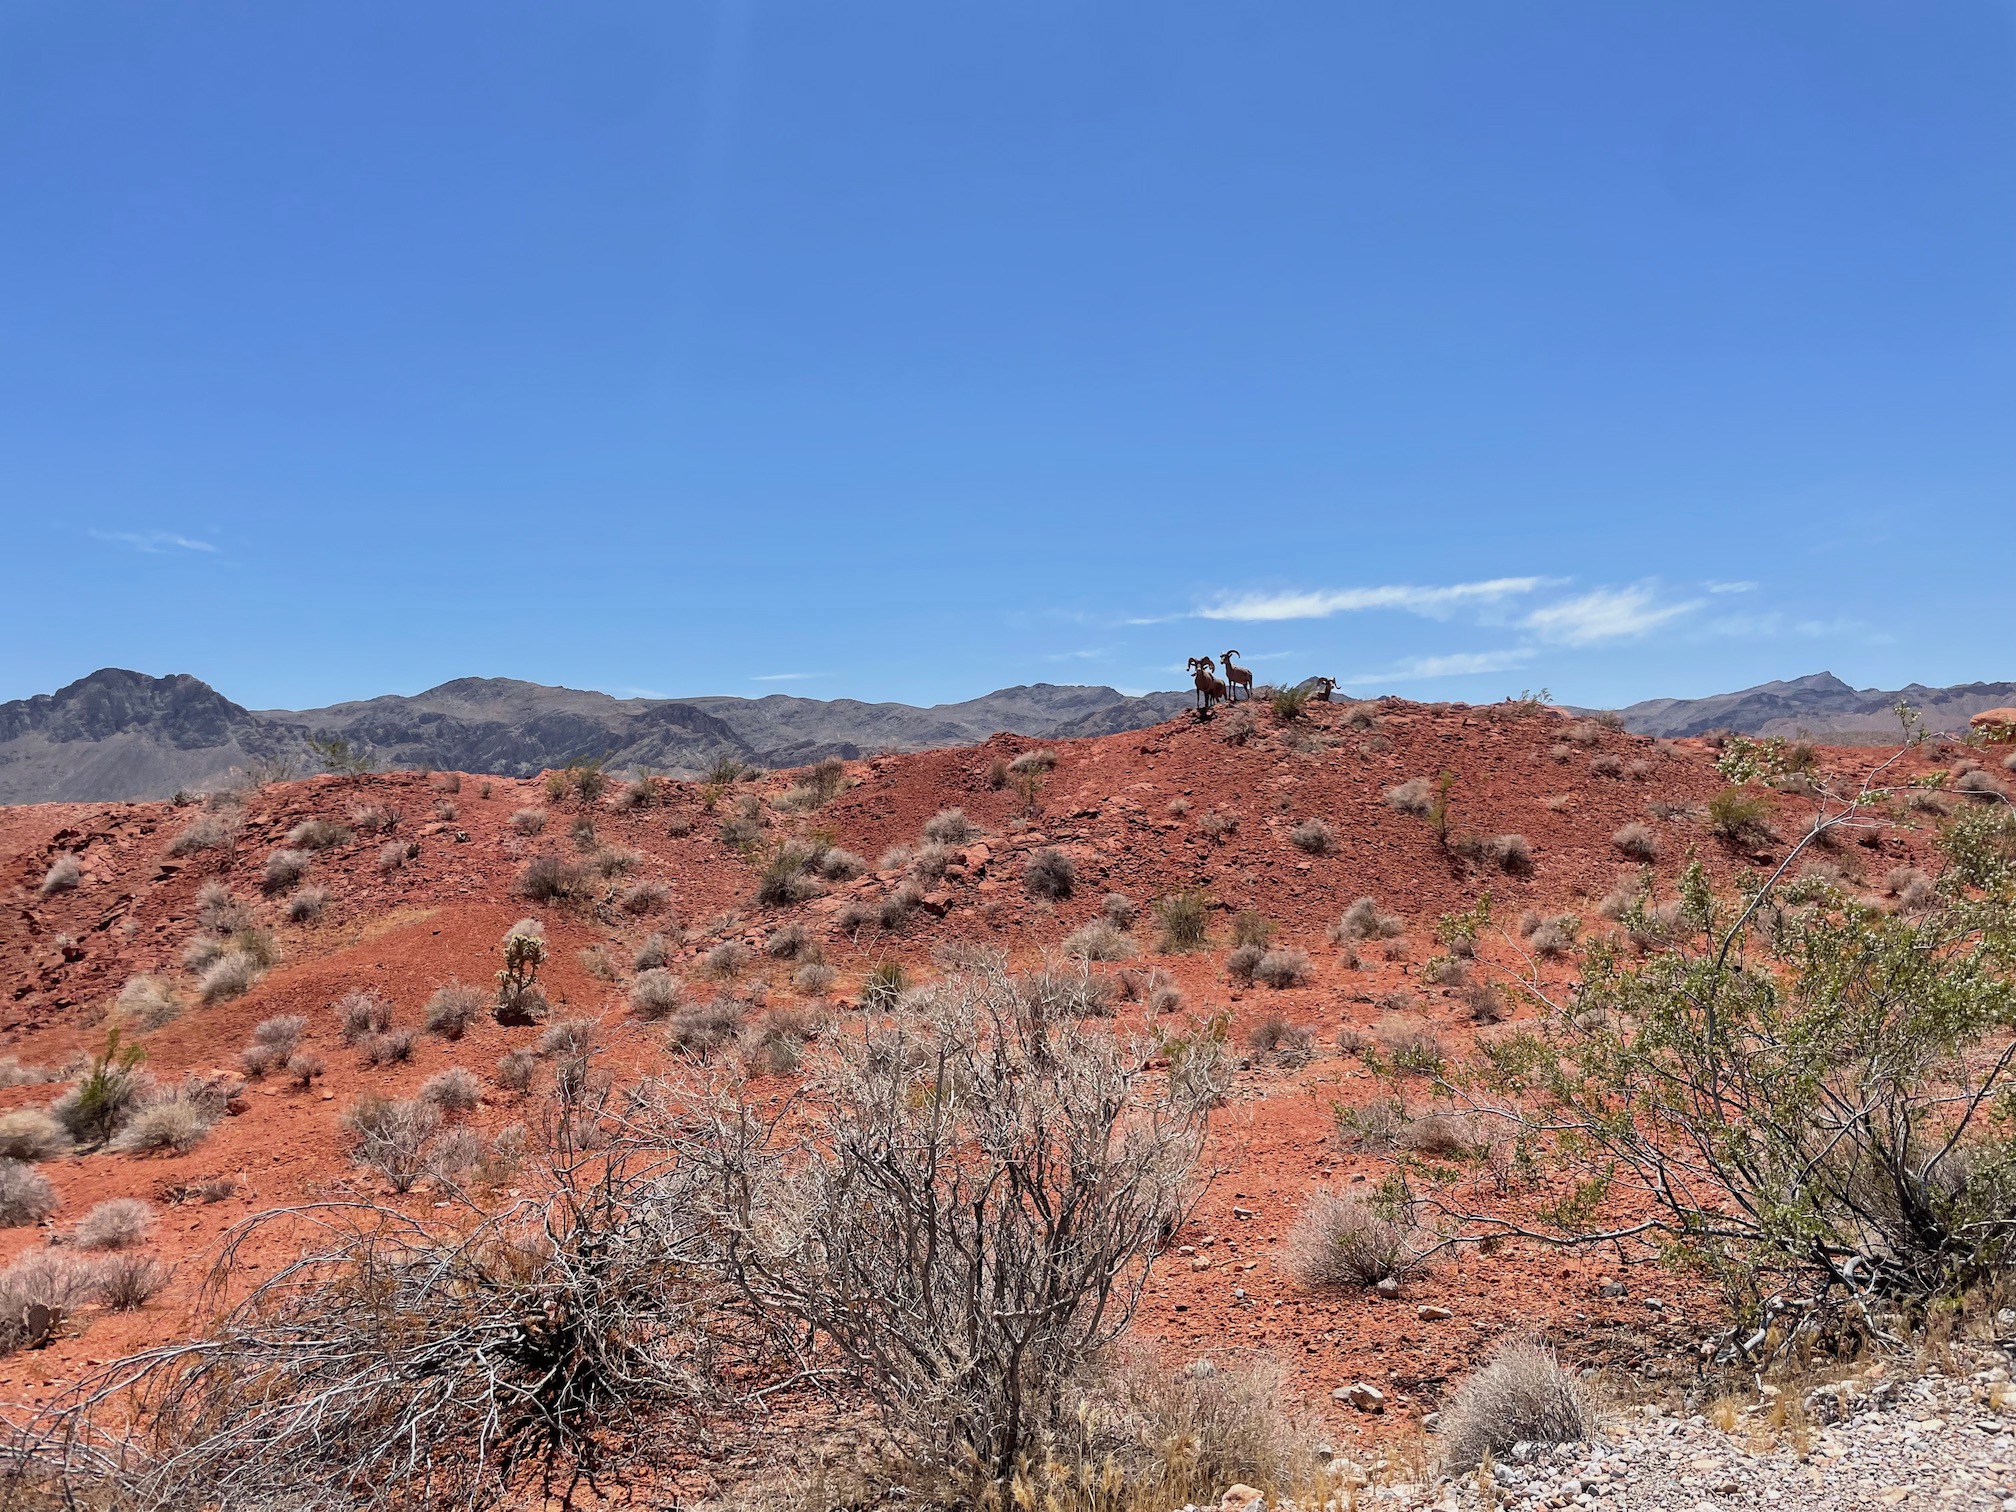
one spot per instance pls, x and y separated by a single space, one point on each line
118 734
1820 707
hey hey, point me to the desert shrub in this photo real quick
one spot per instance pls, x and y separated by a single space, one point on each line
173 1123
26 1195
655 952
787 876
931 860
515 1070
1287 704
1117 909
1637 842
1241 962
656 994
1364 920
1048 1164
701 1029
894 911
1925 801
1606 764
284 868
1522 1396
360 1014
1066 993
679 826
1251 928
147 1002
726 961
529 821
1342 1239
1483 1004
813 979
306 905
453 1008
303 1066
883 988
1441 1135
950 827
1282 968
392 1048
1980 787
374 818
856 916
218 911
454 1090
124 1283
1287 1044
548 878
31 1134
1183 917
1409 1045
115 1224
231 975
444 810
1512 853
282 1032
894 859
63 874
207 832
569 1038
645 898
597 962
1049 874
317 834
611 861
1314 836
788 942
837 865
394 854
1740 815
775 1044
1179 806
1032 761
103 1099
38 1289
1414 796
1217 824
391 1137
519 998
1553 938
1098 941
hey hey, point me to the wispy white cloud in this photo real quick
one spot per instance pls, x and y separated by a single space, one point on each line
1434 602
788 676
1094 653
1720 587
1454 664
1776 624
1605 614
154 542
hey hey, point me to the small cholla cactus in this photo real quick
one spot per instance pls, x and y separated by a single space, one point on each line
524 954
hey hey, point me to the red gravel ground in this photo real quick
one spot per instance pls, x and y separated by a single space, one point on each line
1125 808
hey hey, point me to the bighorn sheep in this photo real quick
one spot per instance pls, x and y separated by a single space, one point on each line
1209 689
1237 677
1325 686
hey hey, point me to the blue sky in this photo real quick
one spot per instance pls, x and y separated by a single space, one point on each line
910 350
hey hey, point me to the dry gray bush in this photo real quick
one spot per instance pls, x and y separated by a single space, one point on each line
63 874
1414 796
361 1013
701 1029
646 897
656 994
283 869
37 1289
814 979
317 834
174 1122
1118 910
1342 1239
1098 941
218 911
1284 1043
115 1224
1314 836
837 865
374 818
568 1038
1521 1396
950 827
655 952
392 1048
788 942
1282 967
31 1134
969 1216
1049 873
529 821
1241 962
26 1195
391 1136
1364 920
394 854
126 1282
306 905
231 975
147 1002
453 1008
725 961
454 1090
206 832
1637 842
515 1070
303 1066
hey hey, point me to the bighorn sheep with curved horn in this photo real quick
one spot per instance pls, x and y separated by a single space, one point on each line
1325 686
1209 689
1237 677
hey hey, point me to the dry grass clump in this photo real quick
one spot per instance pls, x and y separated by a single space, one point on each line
1183 917
774 1045
303 1066
361 1013
37 1290
219 912
726 961
31 1134
1098 941
547 878
814 979
950 827
1443 1135
147 1002
598 963
788 942
394 854
391 1137
283 869
1414 796
274 1041
1740 816
837 865
1483 1004
64 873
932 860
610 861
529 821
1522 1396
1217 824
653 953
317 834
392 1048
702 1029
374 818
174 1123
569 1039
1549 938
1606 764
126 1282
1314 836
231 975
1364 920
1282 967
1049 874
1241 962
515 1070
1637 841
1979 786
115 1224
1033 761
1288 1045
1510 853
656 994
645 898
206 832
454 1090
26 1195
1118 910
453 1008
306 905
1342 1239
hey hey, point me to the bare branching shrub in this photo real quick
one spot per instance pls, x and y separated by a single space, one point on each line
1183 917
1414 796
64 874
1522 1396
950 827
303 1066
360 1014
814 979
454 1090
1637 841
1098 941
1282 967
1364 920
147 1002
726 961
548 878
1241 962
391 1137
529 821
30 1134
125 1283
656 994
1342 1239
37 1290
453 1008
115 1224
1314 836
1049 873
1043 1162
